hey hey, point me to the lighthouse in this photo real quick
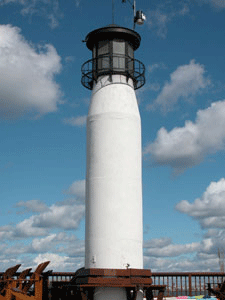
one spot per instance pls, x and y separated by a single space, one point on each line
114 217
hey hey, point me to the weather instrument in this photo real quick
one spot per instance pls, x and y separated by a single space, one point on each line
138 16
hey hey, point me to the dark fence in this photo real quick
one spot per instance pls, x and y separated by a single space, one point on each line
178 283
187 284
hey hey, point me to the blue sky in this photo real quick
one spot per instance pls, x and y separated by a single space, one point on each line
43 109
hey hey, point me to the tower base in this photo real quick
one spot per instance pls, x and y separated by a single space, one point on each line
88 282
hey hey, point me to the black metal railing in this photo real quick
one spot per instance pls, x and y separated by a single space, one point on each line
111 65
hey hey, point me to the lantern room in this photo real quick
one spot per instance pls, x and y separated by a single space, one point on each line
113 53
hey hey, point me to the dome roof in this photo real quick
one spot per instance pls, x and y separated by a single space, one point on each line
111 32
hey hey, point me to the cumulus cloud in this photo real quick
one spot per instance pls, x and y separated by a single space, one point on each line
61 262
5 232
32 206
48 9
220 4
163 255
77 189
77 2
182 264
164 248
27 84
57 261
159 18
67 253
26 228
49 232
157 243
209 210
79 121
156 66
187 146
44 244
185 81
64 216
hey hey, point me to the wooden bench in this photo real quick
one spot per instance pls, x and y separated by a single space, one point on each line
219 292
19 289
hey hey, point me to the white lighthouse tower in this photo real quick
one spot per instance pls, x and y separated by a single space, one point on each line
114 223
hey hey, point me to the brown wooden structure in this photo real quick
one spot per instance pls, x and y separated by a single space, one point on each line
33 286
219 291
61 285
177 283
19 288
85 281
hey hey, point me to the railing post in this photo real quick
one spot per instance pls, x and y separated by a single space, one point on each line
190 285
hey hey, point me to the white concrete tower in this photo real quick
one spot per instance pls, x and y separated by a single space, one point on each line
114 224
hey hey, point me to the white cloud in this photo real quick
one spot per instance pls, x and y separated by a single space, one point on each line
77 250
159 18
157 243
182 264
47 9
66 253
26 76
173 250
220 4
79 121
162 255
32 206
77 2
57 261
164 248
185 81
209 210
155 87
64 216
187 146
156 66
26 228
60 262
77 189
6 232
69 59
44 244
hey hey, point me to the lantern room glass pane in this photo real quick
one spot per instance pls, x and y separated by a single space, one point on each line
103 63
130 51
118 55
119 63
94 52
103 56
130 66
130 62
118 47
103 48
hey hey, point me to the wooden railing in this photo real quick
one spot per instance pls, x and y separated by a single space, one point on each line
178 284
187 284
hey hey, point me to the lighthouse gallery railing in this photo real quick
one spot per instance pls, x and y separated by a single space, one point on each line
110 65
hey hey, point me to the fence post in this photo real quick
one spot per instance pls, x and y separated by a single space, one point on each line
190 285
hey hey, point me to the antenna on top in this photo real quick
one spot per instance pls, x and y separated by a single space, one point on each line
113 11
139 17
